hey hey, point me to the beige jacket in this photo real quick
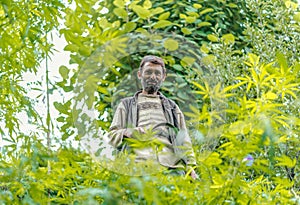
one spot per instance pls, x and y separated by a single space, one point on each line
167 155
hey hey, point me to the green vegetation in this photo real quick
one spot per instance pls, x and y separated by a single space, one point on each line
233 67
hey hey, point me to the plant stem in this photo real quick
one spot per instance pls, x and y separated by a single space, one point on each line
48 119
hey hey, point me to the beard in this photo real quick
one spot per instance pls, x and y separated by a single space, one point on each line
151 86
151 89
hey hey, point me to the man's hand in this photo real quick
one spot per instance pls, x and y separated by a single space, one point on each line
194 175
129 131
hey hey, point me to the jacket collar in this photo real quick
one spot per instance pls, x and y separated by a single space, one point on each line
161 96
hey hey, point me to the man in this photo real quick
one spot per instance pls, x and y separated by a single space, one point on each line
149 109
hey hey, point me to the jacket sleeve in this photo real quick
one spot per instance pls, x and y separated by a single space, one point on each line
117 127
185 140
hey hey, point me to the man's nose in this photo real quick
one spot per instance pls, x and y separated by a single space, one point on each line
153 76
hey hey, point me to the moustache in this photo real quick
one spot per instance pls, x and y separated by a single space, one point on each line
151 81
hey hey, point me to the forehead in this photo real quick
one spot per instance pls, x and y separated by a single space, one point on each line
152 66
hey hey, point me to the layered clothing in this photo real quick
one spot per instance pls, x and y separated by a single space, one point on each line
151 111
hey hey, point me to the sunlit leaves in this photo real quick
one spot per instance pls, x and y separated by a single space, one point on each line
24 44
90 87
162 24
120 12
228 38
259 77
119 3
253 60
130 26
239 127
186 31
282 60
208 10
164 16
197 6
243 98
286 161
213 159
270 96
157 10
171 44
216 93
147 4
297 17
212 38
202 24
71 47
147 140
290 4
187 61
208 60
141 11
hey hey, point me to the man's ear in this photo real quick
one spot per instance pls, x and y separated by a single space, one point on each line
165 75
139 75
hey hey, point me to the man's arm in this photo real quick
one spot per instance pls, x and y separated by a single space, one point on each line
185 139
118 129
189 155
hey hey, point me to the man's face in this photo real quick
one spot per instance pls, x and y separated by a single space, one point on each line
152 77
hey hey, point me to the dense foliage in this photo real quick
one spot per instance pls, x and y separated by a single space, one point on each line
233 68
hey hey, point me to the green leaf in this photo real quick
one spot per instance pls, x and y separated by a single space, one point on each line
65 136
182 16
282 60
190 19
292 5
71 47
212 38
85 51
61 119
213 159
119 3
68 88
162 24
177 67
186 31
121 13
147 4
286 161
64 71
141 11
157 10
228 38
204 48
130 26
171 44
208 60
202 24
208 10
271 96
197 6
187 61
232 5
254 59
297 16
29 62
164 16
103 90
60 107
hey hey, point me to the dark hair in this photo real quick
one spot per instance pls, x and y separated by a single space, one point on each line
154 60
